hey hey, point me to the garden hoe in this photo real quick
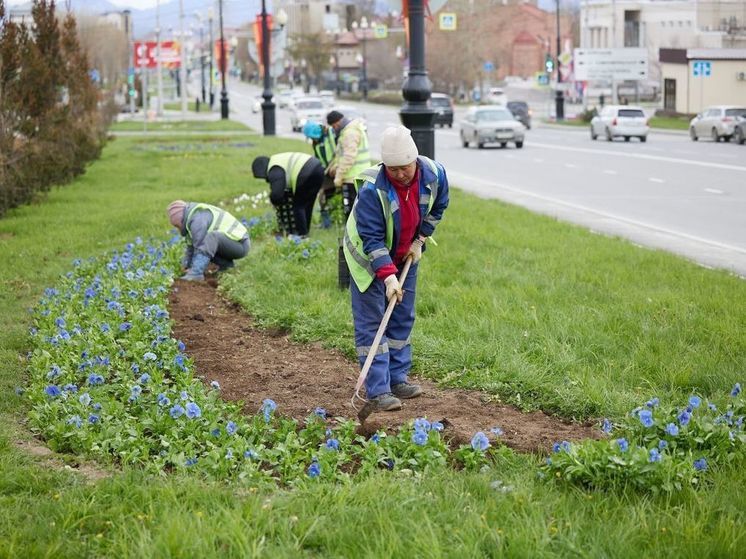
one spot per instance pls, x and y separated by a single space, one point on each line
369 407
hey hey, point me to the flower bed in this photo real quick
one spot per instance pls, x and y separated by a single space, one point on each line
108 381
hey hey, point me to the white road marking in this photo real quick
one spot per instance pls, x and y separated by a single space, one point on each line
714 191
461 178
654 179
610 153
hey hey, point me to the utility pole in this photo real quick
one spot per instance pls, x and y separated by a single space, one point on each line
159 107
182 66
560 99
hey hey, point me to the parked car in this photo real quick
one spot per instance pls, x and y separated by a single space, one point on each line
739 131
496 96
327 97
620 121
305 109
283 98
484 125
443 107
716 122
521 112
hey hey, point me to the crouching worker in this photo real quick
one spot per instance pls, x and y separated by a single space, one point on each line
294 179
324 144
211 234
397 208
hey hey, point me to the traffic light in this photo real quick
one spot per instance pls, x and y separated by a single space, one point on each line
549 64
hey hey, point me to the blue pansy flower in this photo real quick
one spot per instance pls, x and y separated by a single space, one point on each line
54 372
712 407
662 444
736 390
176 412
183 395
332 444
135 368
59 322
314 470
700 465
422 424
214 384
480 441
438 426
268 406
93 419
75 420
653 402
419 438
376 438
181 345
231 428
695 401
52 391
623 444
250 454
145 377
85 398
606 426
136 390
684 418
672 429
229 454
149 356
193 411
95 379
497 431
321 412
190 461
215 432
125 326
646 418
70 388
104 327
654 455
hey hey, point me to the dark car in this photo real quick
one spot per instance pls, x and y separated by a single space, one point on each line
521 111
443 107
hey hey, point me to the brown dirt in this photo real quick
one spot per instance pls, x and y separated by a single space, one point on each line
89 471
252 364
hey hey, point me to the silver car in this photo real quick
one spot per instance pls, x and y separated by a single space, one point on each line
620 121
306 109
716 122
491 125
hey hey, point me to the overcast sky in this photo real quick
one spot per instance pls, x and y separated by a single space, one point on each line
139 4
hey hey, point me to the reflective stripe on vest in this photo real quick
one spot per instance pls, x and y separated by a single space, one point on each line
222 222
291 163
324 150
362 159
360 263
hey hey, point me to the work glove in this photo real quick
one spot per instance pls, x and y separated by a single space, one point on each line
393 288
196 272
415 250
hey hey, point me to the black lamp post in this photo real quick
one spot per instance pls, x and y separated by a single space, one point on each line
202 59
560 99
223 91
363 26
415 113
212 49
268 107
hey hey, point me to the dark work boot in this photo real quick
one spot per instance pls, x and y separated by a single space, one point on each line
405 390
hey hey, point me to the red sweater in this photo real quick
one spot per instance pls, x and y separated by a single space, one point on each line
409 220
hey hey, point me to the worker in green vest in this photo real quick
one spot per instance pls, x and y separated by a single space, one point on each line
294 178
323 142
211 234
351 156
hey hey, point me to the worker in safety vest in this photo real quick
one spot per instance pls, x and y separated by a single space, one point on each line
293 178
351 156
398 206
211 234
323 142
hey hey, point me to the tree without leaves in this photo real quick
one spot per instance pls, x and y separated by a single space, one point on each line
315 49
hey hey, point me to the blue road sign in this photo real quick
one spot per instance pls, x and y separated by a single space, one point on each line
702 68
489 66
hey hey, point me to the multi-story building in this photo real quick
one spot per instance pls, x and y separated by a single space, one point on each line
657 24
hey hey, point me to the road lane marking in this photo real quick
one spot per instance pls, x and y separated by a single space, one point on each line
641 156
714 191
461 178
654 179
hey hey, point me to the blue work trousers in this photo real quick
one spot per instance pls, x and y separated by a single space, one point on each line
393 358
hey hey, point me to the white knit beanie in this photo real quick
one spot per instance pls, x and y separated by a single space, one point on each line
398 147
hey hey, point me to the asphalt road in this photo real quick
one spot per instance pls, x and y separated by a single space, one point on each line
669 193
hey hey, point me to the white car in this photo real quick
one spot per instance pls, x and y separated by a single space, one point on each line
716 122
496 96
283 98
620 121
327 97
306 109
485 124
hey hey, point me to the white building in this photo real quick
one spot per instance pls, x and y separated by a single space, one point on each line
657 24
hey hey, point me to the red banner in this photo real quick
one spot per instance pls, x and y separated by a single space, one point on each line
219 62
146 54
259 37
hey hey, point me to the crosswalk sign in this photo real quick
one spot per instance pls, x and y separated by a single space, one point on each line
447 21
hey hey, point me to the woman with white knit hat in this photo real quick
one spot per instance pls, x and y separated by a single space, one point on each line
398 206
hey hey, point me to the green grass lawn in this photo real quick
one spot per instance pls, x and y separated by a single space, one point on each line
544 314
180 126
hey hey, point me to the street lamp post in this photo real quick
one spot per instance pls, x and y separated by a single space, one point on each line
415 113
268 107
559 100
223 90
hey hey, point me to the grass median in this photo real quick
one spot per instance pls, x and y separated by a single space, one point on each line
533 311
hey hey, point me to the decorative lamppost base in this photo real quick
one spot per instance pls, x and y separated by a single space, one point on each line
224 105
560 105
419 119
268 117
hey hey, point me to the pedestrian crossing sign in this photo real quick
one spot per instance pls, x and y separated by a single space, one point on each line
447 21
702 68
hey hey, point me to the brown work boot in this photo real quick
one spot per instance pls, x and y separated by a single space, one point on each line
404 390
